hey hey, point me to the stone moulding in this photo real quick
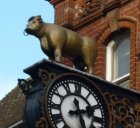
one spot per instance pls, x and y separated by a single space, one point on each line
86 11
104 7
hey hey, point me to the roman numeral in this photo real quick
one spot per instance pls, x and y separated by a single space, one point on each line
87 95
97 119
67 88
95 107
57 118
57 93
78 89
55 106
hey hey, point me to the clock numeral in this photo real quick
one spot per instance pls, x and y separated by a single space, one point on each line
78 89
95 107
57 93
97 119
87 95
67 88
57 118
55 106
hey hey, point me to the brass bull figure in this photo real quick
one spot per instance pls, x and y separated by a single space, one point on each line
56 41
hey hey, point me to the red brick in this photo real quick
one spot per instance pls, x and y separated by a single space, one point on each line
129 18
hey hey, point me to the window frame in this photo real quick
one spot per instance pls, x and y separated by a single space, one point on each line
110 62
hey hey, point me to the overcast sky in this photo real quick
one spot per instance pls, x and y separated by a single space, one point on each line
17 51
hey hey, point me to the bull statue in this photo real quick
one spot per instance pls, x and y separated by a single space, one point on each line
56 41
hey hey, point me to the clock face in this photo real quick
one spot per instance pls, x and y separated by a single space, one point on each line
73 101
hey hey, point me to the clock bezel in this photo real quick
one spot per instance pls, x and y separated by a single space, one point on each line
87 82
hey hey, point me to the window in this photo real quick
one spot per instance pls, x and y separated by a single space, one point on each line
118 58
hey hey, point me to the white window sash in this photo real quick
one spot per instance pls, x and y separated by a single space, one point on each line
110 63
122 79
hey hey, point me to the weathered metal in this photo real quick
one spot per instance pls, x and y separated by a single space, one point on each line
124 104
57 41
73 101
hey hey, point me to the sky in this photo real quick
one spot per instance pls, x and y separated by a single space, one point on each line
17 51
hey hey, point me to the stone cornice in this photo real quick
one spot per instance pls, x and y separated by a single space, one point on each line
90 17
91 11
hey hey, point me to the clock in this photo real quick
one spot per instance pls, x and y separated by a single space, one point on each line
74 101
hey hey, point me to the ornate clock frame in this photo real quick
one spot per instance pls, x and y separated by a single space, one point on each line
124 104
73 100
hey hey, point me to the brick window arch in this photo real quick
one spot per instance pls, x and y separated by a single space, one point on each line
123 23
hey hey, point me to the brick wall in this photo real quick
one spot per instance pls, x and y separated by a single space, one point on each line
100 24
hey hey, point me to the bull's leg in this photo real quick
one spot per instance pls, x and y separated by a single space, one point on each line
90 70
57 54
89 64
78 63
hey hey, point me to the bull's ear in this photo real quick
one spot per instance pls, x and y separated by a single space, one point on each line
39 18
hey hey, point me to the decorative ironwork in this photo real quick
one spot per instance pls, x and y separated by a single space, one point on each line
137 112
45 76
124 113
70 90
124 104
42 123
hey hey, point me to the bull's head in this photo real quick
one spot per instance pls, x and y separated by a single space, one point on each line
33 25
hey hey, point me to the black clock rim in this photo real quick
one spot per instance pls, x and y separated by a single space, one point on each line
86 80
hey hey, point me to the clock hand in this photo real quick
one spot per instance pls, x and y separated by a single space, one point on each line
89 111
82 122
72 112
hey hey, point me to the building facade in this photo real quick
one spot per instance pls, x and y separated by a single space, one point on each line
115 25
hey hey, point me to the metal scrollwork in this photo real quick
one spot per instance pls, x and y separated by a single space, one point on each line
42 123
137 112
124 113
45 75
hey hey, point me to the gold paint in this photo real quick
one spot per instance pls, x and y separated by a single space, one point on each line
56 40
